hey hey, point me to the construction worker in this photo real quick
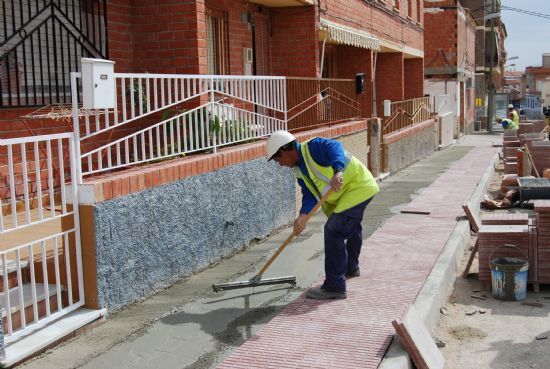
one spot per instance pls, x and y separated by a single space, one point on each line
513 114
320 164
508 124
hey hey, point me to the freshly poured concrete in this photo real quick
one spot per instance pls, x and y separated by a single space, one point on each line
189 326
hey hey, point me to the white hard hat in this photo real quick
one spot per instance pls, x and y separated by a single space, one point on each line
510 106
276 141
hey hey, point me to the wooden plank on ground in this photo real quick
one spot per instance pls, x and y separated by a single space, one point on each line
472 217
417 341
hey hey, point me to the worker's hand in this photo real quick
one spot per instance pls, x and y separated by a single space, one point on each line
300 224
336 181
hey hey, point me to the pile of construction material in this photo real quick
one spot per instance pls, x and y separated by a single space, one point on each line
526 155
530 238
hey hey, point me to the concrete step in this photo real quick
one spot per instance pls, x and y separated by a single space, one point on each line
46 336
27 296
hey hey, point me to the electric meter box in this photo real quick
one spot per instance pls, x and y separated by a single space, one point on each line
98 84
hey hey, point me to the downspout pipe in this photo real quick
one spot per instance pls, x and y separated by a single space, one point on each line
373 81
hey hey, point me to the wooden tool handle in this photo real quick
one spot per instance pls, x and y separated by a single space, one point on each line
293 234
531 160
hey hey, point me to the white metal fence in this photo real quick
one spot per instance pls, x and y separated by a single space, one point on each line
40 256
192 113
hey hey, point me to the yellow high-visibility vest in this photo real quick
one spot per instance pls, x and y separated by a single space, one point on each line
515 117
358 183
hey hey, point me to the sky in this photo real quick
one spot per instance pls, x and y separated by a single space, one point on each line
528 36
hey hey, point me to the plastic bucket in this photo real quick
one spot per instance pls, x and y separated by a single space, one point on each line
509 278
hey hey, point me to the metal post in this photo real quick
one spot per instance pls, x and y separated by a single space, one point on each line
214 147
76 126
490 107
285 104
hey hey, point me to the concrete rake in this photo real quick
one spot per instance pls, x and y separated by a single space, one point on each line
257 280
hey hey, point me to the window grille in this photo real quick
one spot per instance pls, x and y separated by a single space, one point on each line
41 42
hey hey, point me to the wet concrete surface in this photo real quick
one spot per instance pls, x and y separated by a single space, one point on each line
190 326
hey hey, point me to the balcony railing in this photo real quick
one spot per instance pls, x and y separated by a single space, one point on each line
406 113
41 42
159 116
316 102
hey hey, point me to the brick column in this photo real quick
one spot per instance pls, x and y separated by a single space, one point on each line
414 78
119 28
294 42
169 36
390 77
350 61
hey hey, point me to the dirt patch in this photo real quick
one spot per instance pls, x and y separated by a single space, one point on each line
463 332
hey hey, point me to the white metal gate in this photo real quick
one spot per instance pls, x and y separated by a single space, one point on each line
40 256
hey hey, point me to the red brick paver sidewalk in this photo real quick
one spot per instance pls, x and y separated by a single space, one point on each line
395 262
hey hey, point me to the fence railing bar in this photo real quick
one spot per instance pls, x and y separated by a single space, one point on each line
57 274
7 299
33 284
62 177
12 186
45 277
25 183
22 317
68 268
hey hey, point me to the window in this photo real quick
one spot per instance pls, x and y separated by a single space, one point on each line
409 8
42 42
396 4
217 42
418 11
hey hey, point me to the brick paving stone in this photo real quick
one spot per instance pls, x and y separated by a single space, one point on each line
395 262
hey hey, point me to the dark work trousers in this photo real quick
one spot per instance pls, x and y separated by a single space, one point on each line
343 240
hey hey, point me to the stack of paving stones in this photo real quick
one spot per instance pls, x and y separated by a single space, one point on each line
528 138
541 154
492 240
542 208
510 146
530 126
526 127
538 125
505 219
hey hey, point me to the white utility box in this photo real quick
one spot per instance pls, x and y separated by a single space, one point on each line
98 84
387 108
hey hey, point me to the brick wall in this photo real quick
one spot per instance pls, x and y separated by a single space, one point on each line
390 77
294 42
413 78
378 19
352 60
466 41
119 17
168 36
440 38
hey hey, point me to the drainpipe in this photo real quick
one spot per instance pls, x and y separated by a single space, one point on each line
490 109
373 79
323 55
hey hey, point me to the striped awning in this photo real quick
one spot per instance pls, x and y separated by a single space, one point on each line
339 34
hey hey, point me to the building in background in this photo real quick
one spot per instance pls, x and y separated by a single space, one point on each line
537 88
490 52
450 51
512 85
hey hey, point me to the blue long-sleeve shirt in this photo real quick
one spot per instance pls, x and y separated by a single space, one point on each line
327 153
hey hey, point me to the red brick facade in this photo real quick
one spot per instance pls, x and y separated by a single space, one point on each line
294 42
450 53
414 78
390 77
169 36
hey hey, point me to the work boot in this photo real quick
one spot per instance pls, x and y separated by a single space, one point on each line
320 293
355 273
